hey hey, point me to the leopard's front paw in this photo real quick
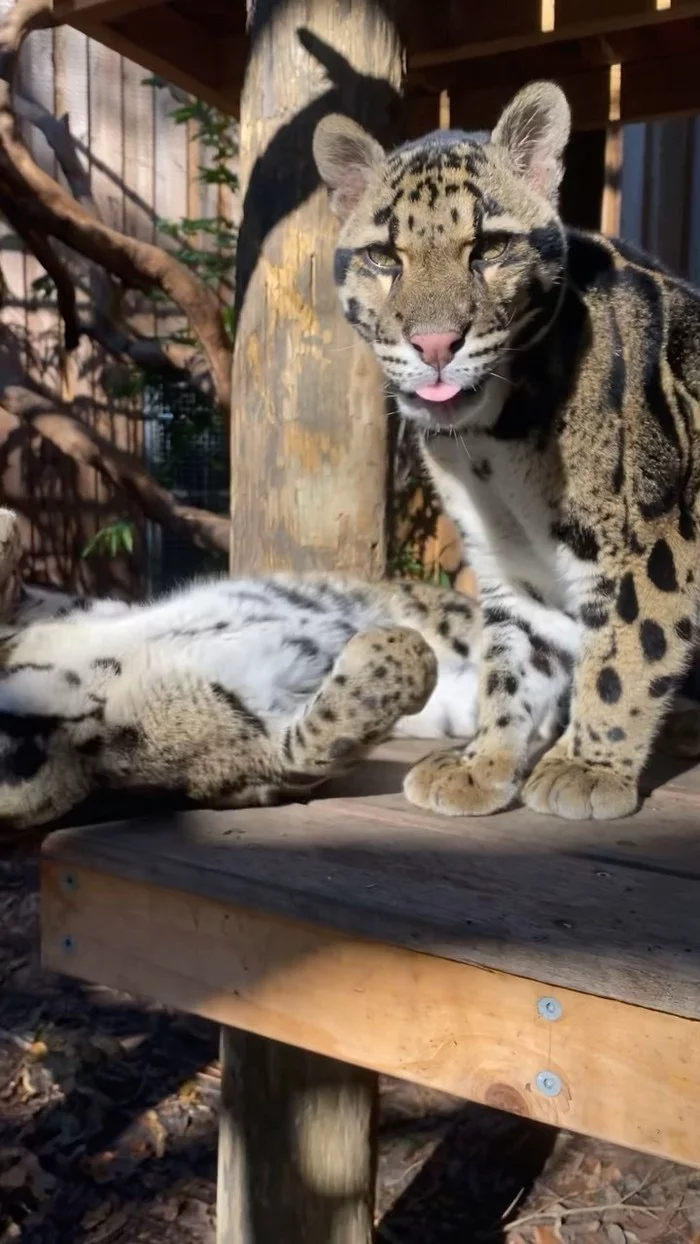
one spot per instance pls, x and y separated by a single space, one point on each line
579 790
456 783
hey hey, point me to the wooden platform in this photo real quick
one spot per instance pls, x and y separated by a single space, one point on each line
548 968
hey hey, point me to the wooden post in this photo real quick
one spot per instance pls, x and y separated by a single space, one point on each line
296 1146
611 208
308 428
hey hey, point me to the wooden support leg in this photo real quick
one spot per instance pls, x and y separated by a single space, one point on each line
309 420
296 1146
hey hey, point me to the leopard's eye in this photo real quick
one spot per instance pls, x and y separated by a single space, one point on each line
490 249
385 260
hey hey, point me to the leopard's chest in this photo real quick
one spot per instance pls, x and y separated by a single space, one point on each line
504 499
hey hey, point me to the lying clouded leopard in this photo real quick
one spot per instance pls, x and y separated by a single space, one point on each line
554 377
234 692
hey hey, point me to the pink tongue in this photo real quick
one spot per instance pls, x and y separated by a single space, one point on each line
440 392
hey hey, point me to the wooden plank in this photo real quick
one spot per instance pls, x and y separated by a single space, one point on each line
296 1145
586 90
100 10
308 424
608 17
210 81
645 97
651 88
625 1074
610 909
611 207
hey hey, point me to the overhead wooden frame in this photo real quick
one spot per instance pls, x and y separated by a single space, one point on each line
172 46
573 41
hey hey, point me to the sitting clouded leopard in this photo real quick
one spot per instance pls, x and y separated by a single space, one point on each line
554 379
234 692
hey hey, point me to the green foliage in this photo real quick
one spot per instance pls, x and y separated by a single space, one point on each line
217 135
111 540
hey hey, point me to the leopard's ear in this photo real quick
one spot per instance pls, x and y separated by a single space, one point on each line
345 156
534 129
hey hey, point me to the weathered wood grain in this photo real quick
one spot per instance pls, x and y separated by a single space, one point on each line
617 1071
296 1145
309 425
610 908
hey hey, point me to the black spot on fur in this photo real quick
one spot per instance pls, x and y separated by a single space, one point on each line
653 640
627 604
341 262
684 629
90 747
618 477
609 685
686 525
661 567
503 722
581 540
352 311
109 664
71 678
594 616
8 670
495 615
460 648
532 592
492 682
25 762
127 738
510 684
304 645
483 470
342 749
381 216
616 734
237 706
661 686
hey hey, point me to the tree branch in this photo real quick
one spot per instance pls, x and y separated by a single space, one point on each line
124 470
41 247
54 211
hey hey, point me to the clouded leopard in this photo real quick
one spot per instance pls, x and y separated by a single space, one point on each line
233 692
554 379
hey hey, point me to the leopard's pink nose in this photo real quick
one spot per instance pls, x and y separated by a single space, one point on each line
436 349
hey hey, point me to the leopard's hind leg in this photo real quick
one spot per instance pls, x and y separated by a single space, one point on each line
181 731
381 676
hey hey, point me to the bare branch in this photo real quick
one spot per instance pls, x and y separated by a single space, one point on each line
41 247
54 211
124 470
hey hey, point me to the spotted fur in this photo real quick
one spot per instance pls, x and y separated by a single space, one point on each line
568 453
233 692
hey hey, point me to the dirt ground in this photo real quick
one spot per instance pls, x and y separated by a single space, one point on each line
108 1133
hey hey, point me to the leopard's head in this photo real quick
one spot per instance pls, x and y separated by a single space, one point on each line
451 251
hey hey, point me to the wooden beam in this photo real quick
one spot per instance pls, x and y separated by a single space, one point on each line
174 49
574 1060
572 21
70 11
309 425
611 206
649 89
277 1101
